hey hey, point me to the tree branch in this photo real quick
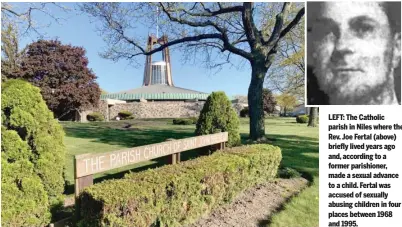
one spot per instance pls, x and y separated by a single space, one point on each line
278 33
249 26
223 36
4 8
185 39
190 23
208 13
273 39
25 16
295 21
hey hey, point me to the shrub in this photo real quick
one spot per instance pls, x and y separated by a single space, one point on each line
244 112
302 119
194 119
268 101
183 121
288 173
32 157
124 115
95 116
175 195
217 115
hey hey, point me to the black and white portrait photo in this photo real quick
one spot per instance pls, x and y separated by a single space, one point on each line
353 53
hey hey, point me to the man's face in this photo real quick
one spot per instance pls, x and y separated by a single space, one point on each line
352 50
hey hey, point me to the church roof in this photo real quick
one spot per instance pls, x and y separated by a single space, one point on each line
159 88
157 92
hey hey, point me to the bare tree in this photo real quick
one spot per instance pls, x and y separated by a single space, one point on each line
229 28
286 75
23 18
10 52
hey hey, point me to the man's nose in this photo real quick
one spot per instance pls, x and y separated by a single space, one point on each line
343 46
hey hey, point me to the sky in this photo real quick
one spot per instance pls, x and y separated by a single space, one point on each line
79 29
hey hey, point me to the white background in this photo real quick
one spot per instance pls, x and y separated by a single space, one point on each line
393 114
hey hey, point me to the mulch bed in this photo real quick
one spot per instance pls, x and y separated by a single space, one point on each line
254 206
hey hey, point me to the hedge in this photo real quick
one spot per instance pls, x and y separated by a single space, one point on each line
32 157
174 195
95 116
124 115
288 173
194 119
183 121
218 115
244 112
302 119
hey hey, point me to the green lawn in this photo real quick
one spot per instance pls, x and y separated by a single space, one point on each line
299 145
101 137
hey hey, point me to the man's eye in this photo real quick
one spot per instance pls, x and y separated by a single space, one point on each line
323 30
363 30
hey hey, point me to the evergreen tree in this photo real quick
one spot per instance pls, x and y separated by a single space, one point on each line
32 157
218 115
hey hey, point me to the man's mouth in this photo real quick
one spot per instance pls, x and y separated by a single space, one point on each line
347 70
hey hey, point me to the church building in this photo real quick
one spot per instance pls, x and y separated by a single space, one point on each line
158 97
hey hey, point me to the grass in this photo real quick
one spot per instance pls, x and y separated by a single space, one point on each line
301 211
99 137
299 146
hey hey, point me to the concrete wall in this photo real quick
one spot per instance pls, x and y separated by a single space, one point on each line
102 108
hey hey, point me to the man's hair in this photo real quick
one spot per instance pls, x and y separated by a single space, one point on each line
393 12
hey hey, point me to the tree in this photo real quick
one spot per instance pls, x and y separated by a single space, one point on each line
217 115
312 122
32 157
22 17
286 101
62 74
269 101
286 74
16 22
226 27
11 55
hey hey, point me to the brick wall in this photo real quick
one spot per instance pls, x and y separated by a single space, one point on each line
163 109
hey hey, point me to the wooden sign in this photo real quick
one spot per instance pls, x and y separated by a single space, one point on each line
88 164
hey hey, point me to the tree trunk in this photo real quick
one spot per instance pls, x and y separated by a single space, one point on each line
256 111
312 122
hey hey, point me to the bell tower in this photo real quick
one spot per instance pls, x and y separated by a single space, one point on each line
158 72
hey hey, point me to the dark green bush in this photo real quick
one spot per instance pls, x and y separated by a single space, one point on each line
194 119
244 112
302 119
95 116
288 173
183 121
175 195
218 115
32 157
125 115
